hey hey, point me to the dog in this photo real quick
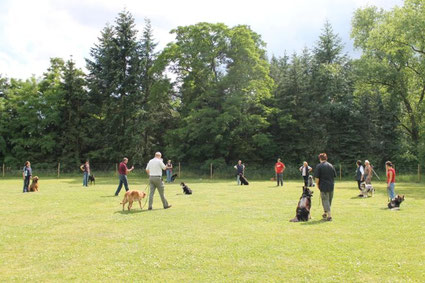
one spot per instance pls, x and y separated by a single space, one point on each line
366 190
304 206
173 177
92 179
395 202
186 189
310 182
243 180
132 196
34 184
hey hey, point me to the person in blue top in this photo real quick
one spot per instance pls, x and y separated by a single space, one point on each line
27 174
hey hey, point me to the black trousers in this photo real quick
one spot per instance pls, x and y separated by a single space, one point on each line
305 180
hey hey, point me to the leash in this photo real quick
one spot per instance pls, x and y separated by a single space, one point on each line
147 189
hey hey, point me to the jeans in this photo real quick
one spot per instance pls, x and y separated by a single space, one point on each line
390 191
123 180
238 180
86 179
26 183
169 173
279 178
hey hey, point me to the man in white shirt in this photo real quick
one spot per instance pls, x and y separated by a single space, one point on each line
154 170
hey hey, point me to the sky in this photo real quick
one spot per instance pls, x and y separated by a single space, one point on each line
33 31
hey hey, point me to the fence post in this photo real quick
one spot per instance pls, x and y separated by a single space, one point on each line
419 173
3 170
180 174
59 169
340 172
211 171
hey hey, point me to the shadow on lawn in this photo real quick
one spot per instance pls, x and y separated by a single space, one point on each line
314 222
133 211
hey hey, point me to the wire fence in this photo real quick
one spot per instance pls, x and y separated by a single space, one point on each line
209 171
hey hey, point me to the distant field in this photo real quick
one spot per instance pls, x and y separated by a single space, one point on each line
223 232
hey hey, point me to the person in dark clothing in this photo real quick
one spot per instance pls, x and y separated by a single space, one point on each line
27 174
123 171
359 175
325 174
240 168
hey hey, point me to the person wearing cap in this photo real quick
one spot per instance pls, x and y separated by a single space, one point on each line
154 170
123 171
325 174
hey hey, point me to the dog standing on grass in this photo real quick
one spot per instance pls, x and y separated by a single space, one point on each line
92 179
395 202
367 189
34 184
132 196
304 206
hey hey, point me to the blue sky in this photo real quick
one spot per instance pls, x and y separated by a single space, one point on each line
31 32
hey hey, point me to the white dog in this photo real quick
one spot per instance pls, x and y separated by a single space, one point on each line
367 189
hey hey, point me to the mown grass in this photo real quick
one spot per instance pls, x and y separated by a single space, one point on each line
222 232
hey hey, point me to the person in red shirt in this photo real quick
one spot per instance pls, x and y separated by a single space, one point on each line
122 171
390 179
279 167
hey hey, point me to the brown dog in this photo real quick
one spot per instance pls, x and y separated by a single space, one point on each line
34 184
131 196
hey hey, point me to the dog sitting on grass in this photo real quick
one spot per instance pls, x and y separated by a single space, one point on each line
132 196
395 202
304 206
34 184
186 189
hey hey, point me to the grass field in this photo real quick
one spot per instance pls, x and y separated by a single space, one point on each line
220 233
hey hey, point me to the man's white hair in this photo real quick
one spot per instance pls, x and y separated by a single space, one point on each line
366 161
158 154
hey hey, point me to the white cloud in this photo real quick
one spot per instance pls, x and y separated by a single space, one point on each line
31 32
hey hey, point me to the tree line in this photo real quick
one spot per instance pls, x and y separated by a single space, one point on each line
213 96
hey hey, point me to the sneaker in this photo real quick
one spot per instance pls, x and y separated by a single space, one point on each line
324 216
168 206
329 219
150 208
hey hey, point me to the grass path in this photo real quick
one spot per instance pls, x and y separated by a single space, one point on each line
222 232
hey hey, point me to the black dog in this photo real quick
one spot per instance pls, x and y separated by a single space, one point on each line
186 189
92 179
395 203
173 177
243 180
304 206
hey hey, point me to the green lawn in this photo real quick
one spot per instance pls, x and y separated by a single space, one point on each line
220 233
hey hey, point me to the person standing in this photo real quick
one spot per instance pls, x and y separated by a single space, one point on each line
325 174
390 179
367 175
169 171
240 170
123 171
27 174
154 170
305 172
279 167
359 175
86 170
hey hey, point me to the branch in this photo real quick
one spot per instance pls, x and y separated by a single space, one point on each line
411 46
404 126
